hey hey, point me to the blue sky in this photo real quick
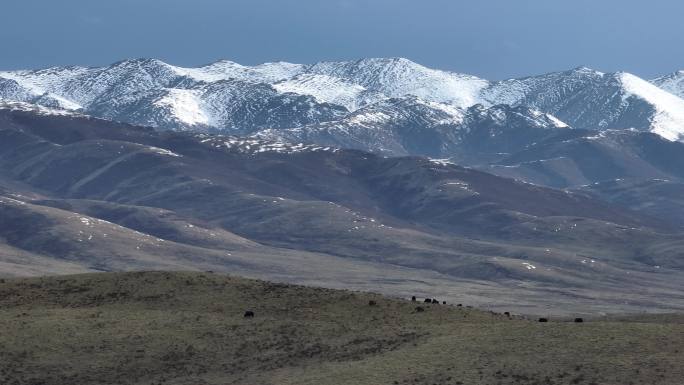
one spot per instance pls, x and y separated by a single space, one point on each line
490 38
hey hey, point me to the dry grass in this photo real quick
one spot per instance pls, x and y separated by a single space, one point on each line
188 328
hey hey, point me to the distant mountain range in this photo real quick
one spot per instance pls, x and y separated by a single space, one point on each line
231 98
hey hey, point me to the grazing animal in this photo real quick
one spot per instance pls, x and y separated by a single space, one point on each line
579 320
428 300
460 305
249 314
443 302
543 320
507 314
413 299
435 301
419 309
372 303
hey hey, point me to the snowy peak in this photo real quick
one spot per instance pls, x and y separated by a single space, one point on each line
584 70
220 96
589 99
227 96
672 83
226 70
397 77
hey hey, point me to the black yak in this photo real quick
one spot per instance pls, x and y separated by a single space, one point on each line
249 314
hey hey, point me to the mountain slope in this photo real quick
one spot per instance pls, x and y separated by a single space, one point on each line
222 95
226 96
661 198
589 99
295 212
398 77
411 126
579 157
672 83
330 89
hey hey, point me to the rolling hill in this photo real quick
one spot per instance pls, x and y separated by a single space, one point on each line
85 194
189 328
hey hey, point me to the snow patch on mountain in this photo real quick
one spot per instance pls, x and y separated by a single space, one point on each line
668 120
557 122
185 105
226 70
672 83
255 146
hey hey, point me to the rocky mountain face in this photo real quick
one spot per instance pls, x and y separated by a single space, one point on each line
81 194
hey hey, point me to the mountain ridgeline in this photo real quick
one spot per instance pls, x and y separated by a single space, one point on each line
236 99
394 107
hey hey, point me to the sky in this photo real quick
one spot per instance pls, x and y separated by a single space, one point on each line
494 39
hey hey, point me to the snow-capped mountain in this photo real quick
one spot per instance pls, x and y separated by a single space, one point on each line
412 126
672 83
398 77
223 95
233 105
590 99
232 98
